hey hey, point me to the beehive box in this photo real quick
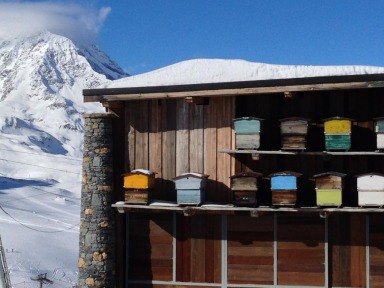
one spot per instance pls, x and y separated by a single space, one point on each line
337 132
294 132
190 188
284 188
138 186
244 188
138 196
294 125
139 179
247 132
338 142
379 129
370 189
329 188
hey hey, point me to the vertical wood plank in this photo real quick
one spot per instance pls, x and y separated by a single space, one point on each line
250 250
182 137
183 248
376 250
218 261
210 148
151 256
155 144
224 138
198 249
142 135
196 139
198 255
130 128
169 149
209 252
337 253
358 255
300 250
347 250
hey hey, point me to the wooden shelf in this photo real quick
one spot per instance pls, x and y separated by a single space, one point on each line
123 207
282 152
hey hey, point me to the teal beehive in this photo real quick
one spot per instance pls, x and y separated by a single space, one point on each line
247 132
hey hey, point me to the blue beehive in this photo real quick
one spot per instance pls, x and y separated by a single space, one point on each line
190 188
284 188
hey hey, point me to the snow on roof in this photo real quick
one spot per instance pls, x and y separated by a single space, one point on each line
219 70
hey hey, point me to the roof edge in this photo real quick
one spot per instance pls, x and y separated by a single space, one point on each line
97 94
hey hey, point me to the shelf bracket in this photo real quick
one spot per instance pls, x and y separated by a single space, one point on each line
256 156
189 211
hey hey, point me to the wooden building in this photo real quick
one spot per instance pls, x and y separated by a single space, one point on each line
174 129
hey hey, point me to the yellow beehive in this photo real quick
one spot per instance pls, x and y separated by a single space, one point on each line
337 125
139 179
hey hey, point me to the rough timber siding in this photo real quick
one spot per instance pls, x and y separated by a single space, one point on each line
171 137
150 250
376 251
300 250
250 250
212 250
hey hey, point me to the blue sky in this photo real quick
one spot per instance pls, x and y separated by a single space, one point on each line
149 34
143 35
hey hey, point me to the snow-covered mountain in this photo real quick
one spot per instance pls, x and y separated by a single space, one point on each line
41 136
41 78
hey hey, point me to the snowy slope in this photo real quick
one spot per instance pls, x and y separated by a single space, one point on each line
220 70
41 138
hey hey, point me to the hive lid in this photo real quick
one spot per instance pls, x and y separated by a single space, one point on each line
370 174
191 174
295 119
337 118
140 171
282 173
246 118
330 173
246 174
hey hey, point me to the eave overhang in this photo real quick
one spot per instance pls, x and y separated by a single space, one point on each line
235 88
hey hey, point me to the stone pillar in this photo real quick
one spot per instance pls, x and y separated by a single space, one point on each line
97 235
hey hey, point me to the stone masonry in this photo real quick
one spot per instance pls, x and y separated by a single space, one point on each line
97 241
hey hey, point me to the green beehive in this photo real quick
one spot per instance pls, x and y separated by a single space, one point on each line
329 188
338 142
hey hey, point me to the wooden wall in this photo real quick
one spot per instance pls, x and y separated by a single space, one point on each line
150 247
250 250
376 251
360 105
171 137
300 250
284 249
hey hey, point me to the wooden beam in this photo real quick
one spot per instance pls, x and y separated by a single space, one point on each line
232 91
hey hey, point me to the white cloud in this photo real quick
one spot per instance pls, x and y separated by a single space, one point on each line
79 23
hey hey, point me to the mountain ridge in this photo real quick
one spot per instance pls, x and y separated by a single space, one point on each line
41 142
42 77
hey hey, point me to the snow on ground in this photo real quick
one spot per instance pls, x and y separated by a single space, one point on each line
39 216
220 70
